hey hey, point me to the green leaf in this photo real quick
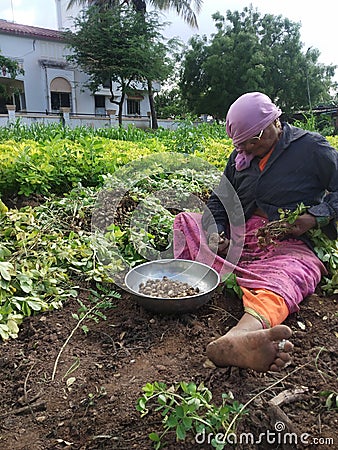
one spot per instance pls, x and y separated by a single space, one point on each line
25 283
194 404
162 399
191 388
5 269
171 421
154 437
180 432
141 403
4 332
85 329
35 306
180 411
148 389
187 422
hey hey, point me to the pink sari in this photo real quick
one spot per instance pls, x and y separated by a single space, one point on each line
289 268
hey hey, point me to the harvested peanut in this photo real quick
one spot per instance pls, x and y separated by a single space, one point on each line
167 288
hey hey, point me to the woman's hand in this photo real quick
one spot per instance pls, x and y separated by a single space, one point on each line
219 244
302 224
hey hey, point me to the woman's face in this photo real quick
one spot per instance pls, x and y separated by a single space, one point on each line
262 143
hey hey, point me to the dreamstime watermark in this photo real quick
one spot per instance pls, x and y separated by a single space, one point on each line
277 436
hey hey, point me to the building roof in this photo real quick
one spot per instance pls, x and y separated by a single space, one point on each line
29 31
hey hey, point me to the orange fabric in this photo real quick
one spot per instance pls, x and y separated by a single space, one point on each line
265 305
265 159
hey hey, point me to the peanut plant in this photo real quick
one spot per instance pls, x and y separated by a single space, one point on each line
186 410
325 249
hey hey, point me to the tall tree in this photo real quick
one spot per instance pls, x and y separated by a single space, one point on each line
182 7
252 52
117 45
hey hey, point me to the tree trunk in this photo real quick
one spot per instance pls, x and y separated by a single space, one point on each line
120 103
154 124
123 95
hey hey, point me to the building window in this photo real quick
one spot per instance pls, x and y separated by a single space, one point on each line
12 93
133 107
60 94
20 101
100 104
59 100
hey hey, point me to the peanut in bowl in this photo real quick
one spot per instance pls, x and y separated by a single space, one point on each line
172 286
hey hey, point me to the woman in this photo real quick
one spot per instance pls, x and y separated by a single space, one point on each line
274 166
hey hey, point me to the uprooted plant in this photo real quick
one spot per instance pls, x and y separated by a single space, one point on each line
276 230
325 249
187 408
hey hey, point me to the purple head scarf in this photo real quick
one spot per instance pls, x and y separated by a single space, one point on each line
247 116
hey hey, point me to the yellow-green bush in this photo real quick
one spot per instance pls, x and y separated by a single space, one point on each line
216 152
333 140
57 164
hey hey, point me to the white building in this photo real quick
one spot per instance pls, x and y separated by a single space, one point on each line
49 81
64 15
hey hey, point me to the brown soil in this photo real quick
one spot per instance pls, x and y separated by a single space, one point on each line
132 347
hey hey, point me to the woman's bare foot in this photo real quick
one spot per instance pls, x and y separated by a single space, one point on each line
252 349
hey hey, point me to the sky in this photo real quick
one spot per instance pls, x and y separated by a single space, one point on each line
318 20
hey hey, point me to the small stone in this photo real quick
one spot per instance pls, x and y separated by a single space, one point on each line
41 419
208 364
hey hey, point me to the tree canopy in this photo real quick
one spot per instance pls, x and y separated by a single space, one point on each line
249 52
182 8
118 45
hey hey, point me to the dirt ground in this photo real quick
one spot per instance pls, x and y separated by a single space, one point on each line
107 368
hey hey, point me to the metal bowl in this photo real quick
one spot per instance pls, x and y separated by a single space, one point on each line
194 273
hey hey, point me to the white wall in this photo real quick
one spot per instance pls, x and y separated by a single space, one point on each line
43 60
37 78
89 121
26 49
